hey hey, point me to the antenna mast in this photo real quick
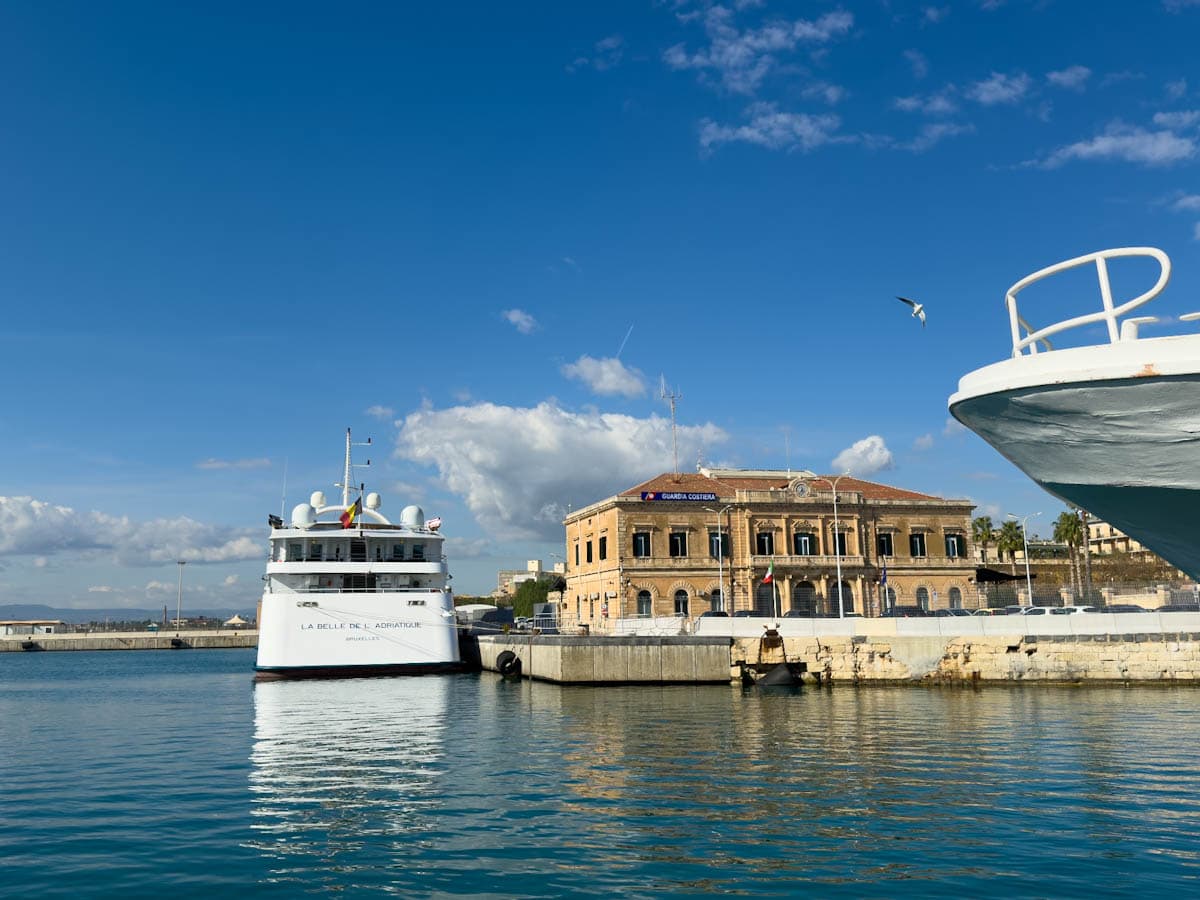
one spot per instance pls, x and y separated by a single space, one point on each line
346 484
670 397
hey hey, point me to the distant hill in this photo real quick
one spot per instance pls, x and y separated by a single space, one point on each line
26 611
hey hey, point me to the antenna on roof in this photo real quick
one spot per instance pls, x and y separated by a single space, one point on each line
345 484
670 397
787 448
283 499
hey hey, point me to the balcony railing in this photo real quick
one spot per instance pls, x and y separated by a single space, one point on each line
794 562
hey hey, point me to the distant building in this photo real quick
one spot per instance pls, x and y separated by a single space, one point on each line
30 626
684 544
508 580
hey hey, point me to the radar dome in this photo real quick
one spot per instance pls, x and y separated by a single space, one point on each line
373 501
317 499
412 517
303 516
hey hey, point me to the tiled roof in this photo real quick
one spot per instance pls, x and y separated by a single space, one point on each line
724 488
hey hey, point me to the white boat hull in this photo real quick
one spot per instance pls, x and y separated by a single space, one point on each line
1125 449
357 633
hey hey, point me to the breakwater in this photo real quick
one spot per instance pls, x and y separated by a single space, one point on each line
1133 648
129 640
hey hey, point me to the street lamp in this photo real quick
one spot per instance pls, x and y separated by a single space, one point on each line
1025 540
837 550
179 597
721 554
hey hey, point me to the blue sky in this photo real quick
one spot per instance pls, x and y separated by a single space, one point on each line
480 233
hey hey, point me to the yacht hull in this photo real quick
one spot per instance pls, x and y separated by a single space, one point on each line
356 634
1125 449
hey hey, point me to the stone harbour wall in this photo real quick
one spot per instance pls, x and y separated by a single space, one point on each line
1152 656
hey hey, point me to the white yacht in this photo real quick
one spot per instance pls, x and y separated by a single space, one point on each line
1113 428
348 592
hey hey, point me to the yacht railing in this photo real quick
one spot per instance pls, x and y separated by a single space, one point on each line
1110 314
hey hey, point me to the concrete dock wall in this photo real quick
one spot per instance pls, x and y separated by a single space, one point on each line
599 660
130 640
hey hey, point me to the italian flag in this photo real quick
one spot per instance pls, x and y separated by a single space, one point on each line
352 513
770 576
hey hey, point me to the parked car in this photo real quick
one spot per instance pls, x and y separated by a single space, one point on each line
1036 611
1071 610
1015 610
906 612
945 613
1179 607
744 613
714 614
988 611
1124 608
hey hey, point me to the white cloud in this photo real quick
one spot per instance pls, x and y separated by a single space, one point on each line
1177 121
924 442
920 65
40 562
521 320
775 130
258 463
101 589
1000 88
832 94
741 59
467 548
940 104
934 132
1073 78
865 457
934 14
381 412
1127 144
159 587
519 469
1179 5
230 580
1196 232
606 377
1176 89
29 526
608 53
1187 203
953 427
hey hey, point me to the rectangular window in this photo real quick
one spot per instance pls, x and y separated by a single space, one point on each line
641 543
295 553
839 540
418 552
314 552
916 544
718 544
576 553
764 543
678 545
397 551
883 543
588 553
805 544
604 548
954 545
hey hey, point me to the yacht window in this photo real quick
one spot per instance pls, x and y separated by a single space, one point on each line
294 553
418 552
358 551
314 552
378 554
397 551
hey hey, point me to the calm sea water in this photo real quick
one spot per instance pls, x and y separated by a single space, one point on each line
173 774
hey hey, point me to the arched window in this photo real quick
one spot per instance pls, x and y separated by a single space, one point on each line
644 603
923 597
764 600
716 601
804 599
681 603
955 598
847 604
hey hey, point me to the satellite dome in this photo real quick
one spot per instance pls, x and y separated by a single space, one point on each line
373 501
412 517
317 499
303 516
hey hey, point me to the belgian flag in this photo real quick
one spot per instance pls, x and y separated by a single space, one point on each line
352 513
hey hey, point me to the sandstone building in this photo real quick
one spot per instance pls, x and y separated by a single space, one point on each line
684 544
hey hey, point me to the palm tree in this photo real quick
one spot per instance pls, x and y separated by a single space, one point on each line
983 533
1068 530
1010 540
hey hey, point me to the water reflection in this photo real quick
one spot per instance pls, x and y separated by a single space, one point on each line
339 765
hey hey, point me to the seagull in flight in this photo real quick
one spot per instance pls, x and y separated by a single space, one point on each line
917 308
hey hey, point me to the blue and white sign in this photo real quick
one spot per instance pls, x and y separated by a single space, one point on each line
679 495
